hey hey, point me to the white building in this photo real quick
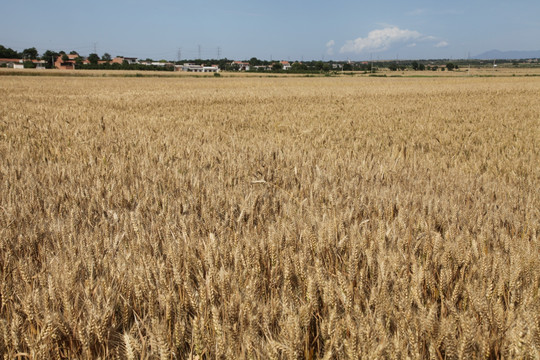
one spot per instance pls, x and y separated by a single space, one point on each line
197 68
240 65
286 65
213 68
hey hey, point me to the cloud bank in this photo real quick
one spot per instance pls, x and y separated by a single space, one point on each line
383 39
379 40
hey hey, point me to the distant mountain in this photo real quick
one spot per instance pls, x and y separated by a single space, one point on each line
497 54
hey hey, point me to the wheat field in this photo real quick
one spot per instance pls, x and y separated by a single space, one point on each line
269 218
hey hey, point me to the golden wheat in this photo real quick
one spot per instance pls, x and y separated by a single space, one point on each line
285 218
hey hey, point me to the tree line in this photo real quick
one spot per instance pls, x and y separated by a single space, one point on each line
104 63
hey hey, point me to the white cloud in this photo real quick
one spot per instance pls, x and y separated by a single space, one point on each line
330 47
411 45
379 40
441 44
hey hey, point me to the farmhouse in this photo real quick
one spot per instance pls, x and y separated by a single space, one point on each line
40 64
196 68
263 67
189 67
120 60
240 65
68 64
19 63
12 63
160 63
245 66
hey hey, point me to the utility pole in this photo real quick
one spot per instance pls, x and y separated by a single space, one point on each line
179 54
219 52
95 47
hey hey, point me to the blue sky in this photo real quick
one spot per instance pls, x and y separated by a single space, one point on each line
278 29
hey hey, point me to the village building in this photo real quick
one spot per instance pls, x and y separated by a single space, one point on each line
70 63
263 67
241 65
12 63
189 67
19 63
120 60
160 63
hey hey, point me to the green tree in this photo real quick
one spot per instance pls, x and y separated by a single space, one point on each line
30 53
254 61
29 65
318 65
277 66
73 52
50 57
298 67
450 66
65 57
347 67
415 65
106 57
93 58
421 67
392 67
79 61
9 53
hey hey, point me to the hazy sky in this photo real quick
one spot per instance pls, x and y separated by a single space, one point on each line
274 29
